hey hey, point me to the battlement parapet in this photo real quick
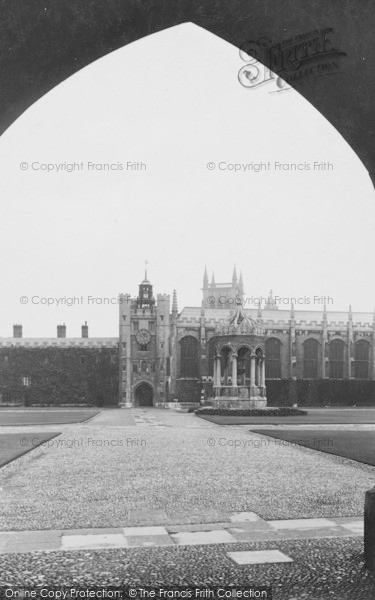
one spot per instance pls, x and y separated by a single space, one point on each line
59 342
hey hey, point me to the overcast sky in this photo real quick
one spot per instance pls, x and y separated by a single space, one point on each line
173 102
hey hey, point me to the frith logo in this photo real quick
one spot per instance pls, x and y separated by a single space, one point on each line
290 62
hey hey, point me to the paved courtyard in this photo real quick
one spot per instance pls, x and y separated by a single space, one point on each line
133 486
127 466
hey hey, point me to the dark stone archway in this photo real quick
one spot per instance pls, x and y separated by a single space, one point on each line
43 45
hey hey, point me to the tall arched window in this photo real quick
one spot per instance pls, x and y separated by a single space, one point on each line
362 359
189 366
273 358
310 358
336 359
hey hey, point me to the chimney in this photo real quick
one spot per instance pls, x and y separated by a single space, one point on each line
17 331
61 331
85 330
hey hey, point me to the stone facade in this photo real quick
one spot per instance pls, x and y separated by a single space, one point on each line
162 354
298 344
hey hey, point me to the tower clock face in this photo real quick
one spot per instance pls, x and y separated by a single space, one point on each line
143 336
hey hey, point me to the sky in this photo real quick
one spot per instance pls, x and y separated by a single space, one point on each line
172 107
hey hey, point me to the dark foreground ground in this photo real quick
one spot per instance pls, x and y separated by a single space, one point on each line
315 416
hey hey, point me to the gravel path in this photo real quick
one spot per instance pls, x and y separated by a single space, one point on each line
96 474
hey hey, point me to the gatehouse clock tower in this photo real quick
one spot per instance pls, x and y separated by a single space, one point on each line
144 347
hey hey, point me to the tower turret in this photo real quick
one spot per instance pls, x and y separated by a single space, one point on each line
174 303
350 324
292 342
324 341
145 295
292 314
350 344
205 279
240 284
271 302
325 312
202 317
234 277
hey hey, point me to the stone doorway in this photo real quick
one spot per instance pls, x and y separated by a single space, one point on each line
144 395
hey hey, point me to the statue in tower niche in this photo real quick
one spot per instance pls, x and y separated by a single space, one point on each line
239 315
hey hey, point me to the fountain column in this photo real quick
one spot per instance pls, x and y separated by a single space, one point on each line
252 371
234 369
218 371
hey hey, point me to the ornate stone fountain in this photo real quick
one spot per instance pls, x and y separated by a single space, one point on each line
239 365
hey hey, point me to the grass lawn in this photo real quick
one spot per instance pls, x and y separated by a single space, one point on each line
14 445
330 416
44 416
356 445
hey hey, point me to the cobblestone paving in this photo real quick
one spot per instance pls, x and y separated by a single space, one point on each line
320 569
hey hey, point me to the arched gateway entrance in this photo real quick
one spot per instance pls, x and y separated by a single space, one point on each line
144 394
